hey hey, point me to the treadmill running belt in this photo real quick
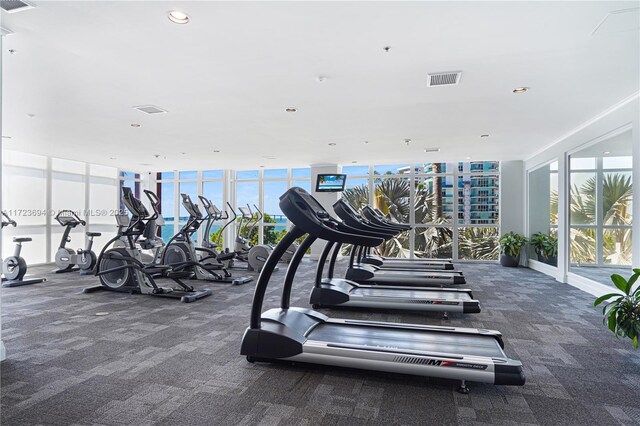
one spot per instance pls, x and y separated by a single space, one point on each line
410 294
404 339
417 274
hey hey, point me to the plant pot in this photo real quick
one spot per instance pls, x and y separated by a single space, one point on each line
551 260
509 261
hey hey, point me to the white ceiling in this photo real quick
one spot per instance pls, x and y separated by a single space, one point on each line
227 77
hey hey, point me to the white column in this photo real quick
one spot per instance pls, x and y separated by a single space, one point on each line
3 353
635 230
563 218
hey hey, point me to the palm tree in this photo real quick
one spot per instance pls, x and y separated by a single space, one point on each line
392 197
616 199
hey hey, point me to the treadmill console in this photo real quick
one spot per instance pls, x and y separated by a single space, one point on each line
308 214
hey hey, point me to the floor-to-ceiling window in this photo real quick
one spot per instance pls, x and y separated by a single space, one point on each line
600 208
452 207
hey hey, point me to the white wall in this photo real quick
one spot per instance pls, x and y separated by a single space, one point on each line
35 188
511 197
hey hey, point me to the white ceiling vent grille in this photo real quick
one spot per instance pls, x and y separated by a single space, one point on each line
450 78
13 6
150 109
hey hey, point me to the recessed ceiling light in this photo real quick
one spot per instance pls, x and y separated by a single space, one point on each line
135 125
6 137
365 142
216 150
262 166
112 158
321 79
407 142
12 51
484 136
291 109
183 153
354 162
178 17
432 150
331 144
386 48
607 152
156 155
31 115
468 158
520 90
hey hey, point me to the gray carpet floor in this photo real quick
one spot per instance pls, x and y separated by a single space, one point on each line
153 361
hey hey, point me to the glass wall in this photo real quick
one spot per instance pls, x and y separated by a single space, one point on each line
258 192
36 188
600 209
453 207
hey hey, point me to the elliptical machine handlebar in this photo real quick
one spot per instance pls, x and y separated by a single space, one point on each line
155 203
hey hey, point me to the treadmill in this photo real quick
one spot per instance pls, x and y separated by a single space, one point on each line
364 273
304 335
393 229
375 217
338 292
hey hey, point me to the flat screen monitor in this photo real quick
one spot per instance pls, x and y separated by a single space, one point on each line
331 183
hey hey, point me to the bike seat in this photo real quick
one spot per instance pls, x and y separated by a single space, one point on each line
21 239
94 234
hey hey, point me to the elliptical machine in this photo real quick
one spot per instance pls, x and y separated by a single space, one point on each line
67 259
121 269
255 256
181 253
291 250
213 215
14 268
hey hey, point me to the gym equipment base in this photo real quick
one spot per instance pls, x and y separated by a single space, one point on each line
24 281
185 297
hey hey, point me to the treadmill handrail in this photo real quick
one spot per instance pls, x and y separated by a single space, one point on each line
308 217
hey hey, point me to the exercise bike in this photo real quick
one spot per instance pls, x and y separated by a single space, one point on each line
68 260
121 269
14 268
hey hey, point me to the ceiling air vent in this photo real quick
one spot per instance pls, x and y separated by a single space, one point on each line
13 6
450 78
150 109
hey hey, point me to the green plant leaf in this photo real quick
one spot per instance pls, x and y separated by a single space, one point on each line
635 342
612 322
619 282
601 299
631 282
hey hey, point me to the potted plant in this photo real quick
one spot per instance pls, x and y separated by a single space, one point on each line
510 247
622 314
546 248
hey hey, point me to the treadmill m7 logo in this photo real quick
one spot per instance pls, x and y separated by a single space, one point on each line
438 362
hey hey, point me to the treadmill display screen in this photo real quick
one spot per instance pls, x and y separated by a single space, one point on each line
331 183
